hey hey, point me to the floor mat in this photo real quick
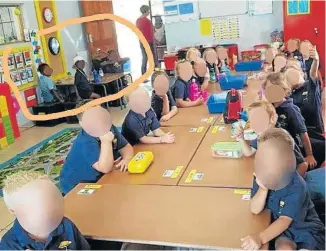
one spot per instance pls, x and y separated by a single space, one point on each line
46 157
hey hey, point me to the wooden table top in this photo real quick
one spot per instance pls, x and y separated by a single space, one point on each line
165 215
109 77
218 172
166 157
194 116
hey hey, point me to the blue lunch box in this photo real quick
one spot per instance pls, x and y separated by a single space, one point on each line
255 65
233 81
216 102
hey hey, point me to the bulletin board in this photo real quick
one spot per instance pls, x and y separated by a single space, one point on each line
21 66
57 62
220 8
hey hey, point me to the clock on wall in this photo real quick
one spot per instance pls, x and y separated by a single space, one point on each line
47 15
54 46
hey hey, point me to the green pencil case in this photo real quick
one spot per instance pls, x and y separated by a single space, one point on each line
227 150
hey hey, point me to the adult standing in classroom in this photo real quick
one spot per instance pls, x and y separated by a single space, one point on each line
146 27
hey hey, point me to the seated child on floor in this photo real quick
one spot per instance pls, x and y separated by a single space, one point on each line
98 149
262 116
276 91
192 55
293 51
163 102
180 89
48 89
210 57
141 120
279 188
306 94
38 207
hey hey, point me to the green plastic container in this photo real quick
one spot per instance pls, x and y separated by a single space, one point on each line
227 150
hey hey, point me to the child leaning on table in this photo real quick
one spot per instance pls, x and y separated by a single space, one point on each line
279 188
91 157
180 89
38 207
141 120
163 103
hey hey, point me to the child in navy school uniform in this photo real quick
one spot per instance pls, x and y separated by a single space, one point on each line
38 207
200 74
306 95
276 91
210 56
163 102
279 188
293 51
91 157
257 112
180 89
141 124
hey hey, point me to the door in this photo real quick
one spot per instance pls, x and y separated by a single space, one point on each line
100 34
309 26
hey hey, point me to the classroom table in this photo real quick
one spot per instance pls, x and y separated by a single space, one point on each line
170 160
165 215
193 116
208 171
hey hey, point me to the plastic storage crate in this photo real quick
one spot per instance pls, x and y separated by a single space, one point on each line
249 66
250 55
233 81
216 102
169 62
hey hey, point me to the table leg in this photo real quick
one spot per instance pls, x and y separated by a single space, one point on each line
105 94
118 90
122 103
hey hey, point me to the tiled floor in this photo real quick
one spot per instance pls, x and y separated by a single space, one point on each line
30 137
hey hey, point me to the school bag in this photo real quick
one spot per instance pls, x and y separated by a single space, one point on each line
233 107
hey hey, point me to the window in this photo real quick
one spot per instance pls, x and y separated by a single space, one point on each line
11 25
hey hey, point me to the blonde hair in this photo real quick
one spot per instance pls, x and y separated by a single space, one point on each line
206 52
177 65
279 134
277 78
192 50
17 180
268 107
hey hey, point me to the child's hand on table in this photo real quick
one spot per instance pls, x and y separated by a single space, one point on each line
312 163
251 242
165 118
121 164
168 138
239 132
107 137
200 101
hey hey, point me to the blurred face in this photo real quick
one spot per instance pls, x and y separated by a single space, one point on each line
259 120
274 164
200 67
80 64
211 56
292 45
274 93
161 85
279 63
304 49
222 53
103 121
270 54
294 77
140 101
47 71
185 71
38 207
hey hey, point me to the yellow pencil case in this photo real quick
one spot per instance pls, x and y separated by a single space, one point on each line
140 162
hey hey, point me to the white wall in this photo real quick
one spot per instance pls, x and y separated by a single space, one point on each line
73 39
253 30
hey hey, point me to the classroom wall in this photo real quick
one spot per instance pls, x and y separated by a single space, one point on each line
253 30
73 39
